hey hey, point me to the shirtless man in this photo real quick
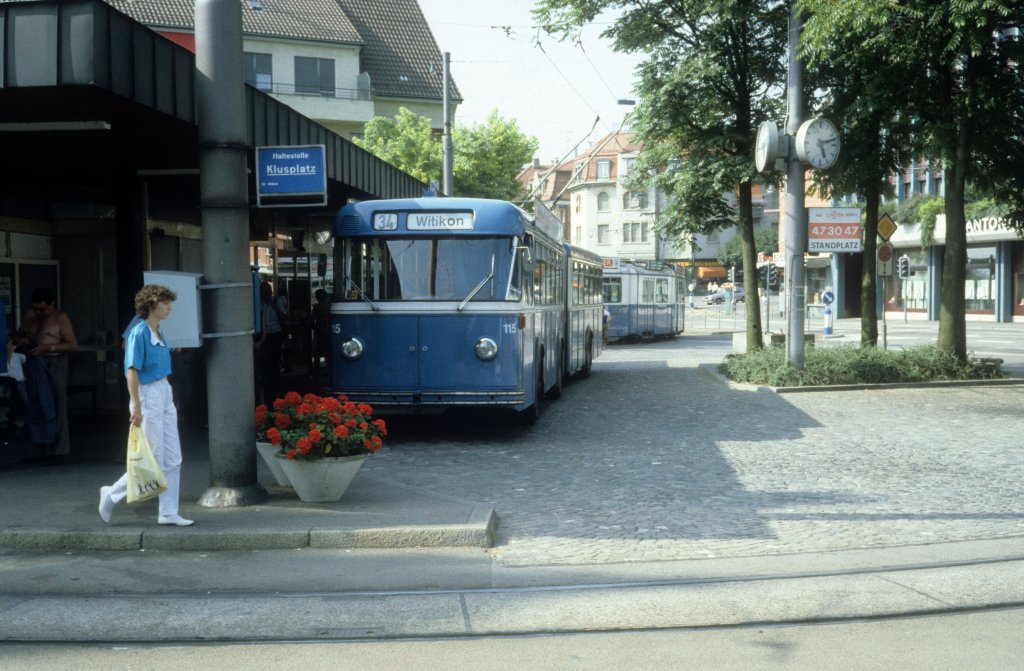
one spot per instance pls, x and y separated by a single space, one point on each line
50 331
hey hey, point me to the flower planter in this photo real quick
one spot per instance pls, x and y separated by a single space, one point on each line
268 452
321 480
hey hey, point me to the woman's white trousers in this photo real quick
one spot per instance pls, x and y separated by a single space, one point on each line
160 424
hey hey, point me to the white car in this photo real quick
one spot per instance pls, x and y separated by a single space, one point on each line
722 295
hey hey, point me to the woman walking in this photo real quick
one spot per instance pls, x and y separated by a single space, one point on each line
147 363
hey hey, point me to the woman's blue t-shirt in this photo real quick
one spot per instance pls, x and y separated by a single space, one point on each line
144 352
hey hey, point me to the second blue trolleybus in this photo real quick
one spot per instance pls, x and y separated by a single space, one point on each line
646 299
442 302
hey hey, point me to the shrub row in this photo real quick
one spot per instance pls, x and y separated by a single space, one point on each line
851 364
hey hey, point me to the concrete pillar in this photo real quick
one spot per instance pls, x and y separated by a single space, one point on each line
224 198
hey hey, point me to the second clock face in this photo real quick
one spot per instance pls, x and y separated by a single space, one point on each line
765 151
817 143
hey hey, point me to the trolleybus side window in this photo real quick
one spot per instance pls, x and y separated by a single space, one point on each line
647 290
661 291
612 290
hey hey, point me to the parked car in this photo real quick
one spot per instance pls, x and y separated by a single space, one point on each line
722 295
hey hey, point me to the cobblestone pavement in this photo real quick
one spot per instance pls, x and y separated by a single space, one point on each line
649 459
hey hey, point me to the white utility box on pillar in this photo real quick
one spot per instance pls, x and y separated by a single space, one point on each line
184 327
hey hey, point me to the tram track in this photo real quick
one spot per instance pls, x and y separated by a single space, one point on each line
854 593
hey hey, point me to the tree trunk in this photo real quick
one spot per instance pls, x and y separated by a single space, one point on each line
952 322
755 335
868 290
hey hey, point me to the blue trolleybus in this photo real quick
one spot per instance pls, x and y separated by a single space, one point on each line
442 302
646 299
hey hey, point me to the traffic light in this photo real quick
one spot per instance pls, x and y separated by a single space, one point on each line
773 275
732 274
903 267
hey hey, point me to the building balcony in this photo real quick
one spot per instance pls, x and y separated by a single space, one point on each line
336 104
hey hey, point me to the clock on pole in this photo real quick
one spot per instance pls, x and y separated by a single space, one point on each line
817 143
766 150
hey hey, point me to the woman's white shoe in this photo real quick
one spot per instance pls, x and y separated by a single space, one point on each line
176 520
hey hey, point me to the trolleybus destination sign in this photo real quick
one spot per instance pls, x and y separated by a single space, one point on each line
833 229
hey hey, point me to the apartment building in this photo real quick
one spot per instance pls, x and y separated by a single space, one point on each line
338 62
608 217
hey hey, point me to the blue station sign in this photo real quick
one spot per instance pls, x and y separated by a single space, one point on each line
292 176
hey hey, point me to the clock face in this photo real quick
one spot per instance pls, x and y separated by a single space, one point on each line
817 143
766 149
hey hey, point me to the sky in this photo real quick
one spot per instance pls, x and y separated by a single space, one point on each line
554 93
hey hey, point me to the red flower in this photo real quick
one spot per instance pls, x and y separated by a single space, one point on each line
311 427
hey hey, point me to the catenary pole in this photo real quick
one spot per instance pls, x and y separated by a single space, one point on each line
227 298
794 215
449 186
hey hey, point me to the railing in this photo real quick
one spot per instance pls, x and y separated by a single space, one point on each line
312 91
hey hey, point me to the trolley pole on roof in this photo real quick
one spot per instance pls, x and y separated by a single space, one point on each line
448 177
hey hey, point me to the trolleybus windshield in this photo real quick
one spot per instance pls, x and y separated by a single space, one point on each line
428 269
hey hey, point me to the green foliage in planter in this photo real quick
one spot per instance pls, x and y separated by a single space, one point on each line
850 364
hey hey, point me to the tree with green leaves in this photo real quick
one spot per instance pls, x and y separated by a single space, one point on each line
856 91
407 142
713 73
766 241
486 157
966 106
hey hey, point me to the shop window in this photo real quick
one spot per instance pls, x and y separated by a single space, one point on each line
980 280
912 293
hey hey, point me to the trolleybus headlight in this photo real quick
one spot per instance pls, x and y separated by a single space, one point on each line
486 349
352 348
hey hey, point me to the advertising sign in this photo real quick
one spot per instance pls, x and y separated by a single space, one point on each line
292 176
833 229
